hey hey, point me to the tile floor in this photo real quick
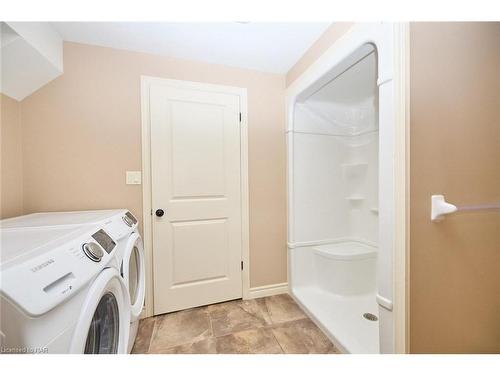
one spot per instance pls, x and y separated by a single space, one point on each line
269 325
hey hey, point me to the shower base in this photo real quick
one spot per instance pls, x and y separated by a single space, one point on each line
341 318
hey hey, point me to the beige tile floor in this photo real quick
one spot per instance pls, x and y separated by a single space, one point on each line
269 325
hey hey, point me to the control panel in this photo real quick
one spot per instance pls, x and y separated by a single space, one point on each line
103 239
58 272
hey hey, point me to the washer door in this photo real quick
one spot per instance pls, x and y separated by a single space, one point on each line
133 269
104 322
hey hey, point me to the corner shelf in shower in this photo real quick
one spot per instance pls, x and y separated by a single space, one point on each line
355 199
374 210
351 170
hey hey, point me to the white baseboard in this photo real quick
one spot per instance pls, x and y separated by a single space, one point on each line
268 290
143 314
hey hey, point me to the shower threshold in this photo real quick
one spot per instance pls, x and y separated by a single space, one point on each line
341 318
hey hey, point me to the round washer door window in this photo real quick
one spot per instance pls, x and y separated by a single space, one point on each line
103 334
133 274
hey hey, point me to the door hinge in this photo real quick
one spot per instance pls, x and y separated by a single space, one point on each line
240 116
242 265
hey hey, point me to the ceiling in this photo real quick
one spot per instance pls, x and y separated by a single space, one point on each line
268 47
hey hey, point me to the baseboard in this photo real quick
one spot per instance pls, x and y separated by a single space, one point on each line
268 290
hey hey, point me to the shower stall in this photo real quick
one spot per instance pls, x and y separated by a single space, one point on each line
341 200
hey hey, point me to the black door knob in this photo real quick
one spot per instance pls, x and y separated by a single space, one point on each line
159 212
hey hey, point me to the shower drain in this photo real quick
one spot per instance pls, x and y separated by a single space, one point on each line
370 316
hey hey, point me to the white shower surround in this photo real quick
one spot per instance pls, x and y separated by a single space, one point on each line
390 42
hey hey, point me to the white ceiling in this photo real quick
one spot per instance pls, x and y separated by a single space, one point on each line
268 47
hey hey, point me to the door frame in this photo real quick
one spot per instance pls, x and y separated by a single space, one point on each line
146 82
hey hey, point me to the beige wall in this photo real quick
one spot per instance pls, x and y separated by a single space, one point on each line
11 198
455 150
82 132
330 36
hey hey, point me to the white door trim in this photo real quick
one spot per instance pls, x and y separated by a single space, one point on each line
146 81
402 191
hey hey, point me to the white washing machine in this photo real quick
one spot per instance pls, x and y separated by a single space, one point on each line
61 292
129 255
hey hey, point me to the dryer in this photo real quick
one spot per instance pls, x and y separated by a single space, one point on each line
61 292
129 257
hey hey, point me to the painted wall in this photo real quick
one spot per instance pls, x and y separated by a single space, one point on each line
11 197
82 132
455 150
325 41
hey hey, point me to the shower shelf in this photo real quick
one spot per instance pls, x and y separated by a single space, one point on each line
355 199
374 210
351 170
354 165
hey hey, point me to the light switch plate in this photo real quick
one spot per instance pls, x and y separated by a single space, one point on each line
133 177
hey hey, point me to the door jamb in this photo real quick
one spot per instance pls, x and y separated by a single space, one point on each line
147 208
402 179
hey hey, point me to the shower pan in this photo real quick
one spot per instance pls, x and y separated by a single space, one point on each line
341 184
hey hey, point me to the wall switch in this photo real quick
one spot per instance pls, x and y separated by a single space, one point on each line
133 177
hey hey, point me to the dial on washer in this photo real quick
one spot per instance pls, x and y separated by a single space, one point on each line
128 221
93 251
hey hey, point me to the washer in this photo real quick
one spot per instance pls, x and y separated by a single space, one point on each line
129 256
61 291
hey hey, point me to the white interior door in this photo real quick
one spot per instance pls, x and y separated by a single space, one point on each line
196 181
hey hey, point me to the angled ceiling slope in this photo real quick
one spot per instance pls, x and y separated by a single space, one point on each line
267 47
31 56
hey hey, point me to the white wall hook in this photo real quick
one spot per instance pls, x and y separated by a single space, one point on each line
439 207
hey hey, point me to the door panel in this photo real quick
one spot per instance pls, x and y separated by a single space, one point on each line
195 160
188 238
198 151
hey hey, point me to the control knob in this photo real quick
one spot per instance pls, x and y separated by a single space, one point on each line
93 251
